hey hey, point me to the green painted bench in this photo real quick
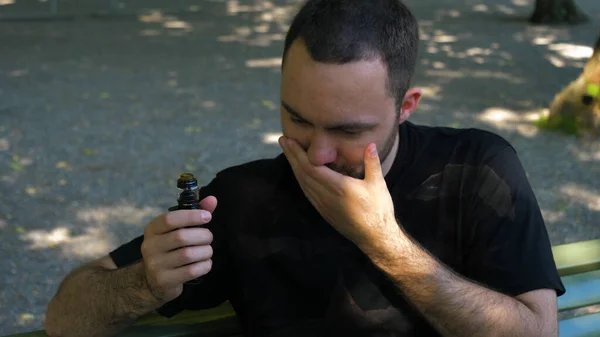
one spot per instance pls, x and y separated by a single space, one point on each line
578 264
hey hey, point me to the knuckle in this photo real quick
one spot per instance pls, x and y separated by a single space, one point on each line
186 254
207 236
168 220
209 252
180 237
208 265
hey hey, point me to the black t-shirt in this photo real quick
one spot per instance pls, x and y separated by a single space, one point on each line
461 193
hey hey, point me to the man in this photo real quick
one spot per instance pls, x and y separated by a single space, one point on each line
366 225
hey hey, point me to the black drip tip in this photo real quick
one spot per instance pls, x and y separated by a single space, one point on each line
188 197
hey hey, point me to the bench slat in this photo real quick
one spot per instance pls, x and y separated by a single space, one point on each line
582 290
578 257
581 326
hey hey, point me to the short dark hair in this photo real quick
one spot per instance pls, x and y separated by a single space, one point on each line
342 31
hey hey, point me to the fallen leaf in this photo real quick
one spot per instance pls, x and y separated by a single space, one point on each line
192 129
15 158
31 191
104 95
62 182
62 164
89 152
17 167
254 124
20 230
268 104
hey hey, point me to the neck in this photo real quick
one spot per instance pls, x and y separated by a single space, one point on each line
387 163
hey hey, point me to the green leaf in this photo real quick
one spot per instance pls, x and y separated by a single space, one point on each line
193 129
89 152
593 90
17 167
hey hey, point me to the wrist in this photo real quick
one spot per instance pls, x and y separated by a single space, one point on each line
146 293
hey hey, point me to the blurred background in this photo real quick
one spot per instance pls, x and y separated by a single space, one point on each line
104 103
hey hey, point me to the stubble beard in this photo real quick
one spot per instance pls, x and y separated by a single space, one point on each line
384 153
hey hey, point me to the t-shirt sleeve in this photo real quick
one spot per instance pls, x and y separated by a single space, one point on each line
211 289
508 248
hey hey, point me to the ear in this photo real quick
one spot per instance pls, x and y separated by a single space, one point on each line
410 102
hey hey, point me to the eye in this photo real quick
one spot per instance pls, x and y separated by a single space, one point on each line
297 120
351 132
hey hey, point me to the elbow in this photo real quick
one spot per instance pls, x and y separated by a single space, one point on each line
52 324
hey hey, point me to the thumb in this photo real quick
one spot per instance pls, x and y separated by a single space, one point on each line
209 203
372 164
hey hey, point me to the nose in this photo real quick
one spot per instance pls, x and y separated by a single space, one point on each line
321 150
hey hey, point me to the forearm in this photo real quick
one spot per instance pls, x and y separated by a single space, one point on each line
98 302
454 305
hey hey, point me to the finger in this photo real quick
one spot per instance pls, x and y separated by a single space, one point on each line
185 237
209 203
175 277
289 154
185 256
372 164
178 219
297 157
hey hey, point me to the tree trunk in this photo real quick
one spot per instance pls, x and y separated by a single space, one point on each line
557 11
574 108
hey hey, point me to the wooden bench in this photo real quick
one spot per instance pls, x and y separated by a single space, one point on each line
578 264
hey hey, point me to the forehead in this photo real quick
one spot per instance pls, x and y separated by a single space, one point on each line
355 88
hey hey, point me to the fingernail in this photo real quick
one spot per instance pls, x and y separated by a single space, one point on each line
206 216
373 150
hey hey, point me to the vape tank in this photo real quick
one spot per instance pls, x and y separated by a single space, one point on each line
189 198
188 193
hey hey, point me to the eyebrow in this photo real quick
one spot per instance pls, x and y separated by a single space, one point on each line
340 126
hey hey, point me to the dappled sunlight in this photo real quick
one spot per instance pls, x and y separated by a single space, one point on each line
560 51
572 51
582 195
552 216
4 144
169 24
93 243
126 214
18 73
480 74
7 2
506 119
431 92
272 137
270 22
273 62
566 54
587 155
96 238
449 47
521 3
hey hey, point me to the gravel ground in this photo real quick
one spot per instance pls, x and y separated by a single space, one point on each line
99 116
